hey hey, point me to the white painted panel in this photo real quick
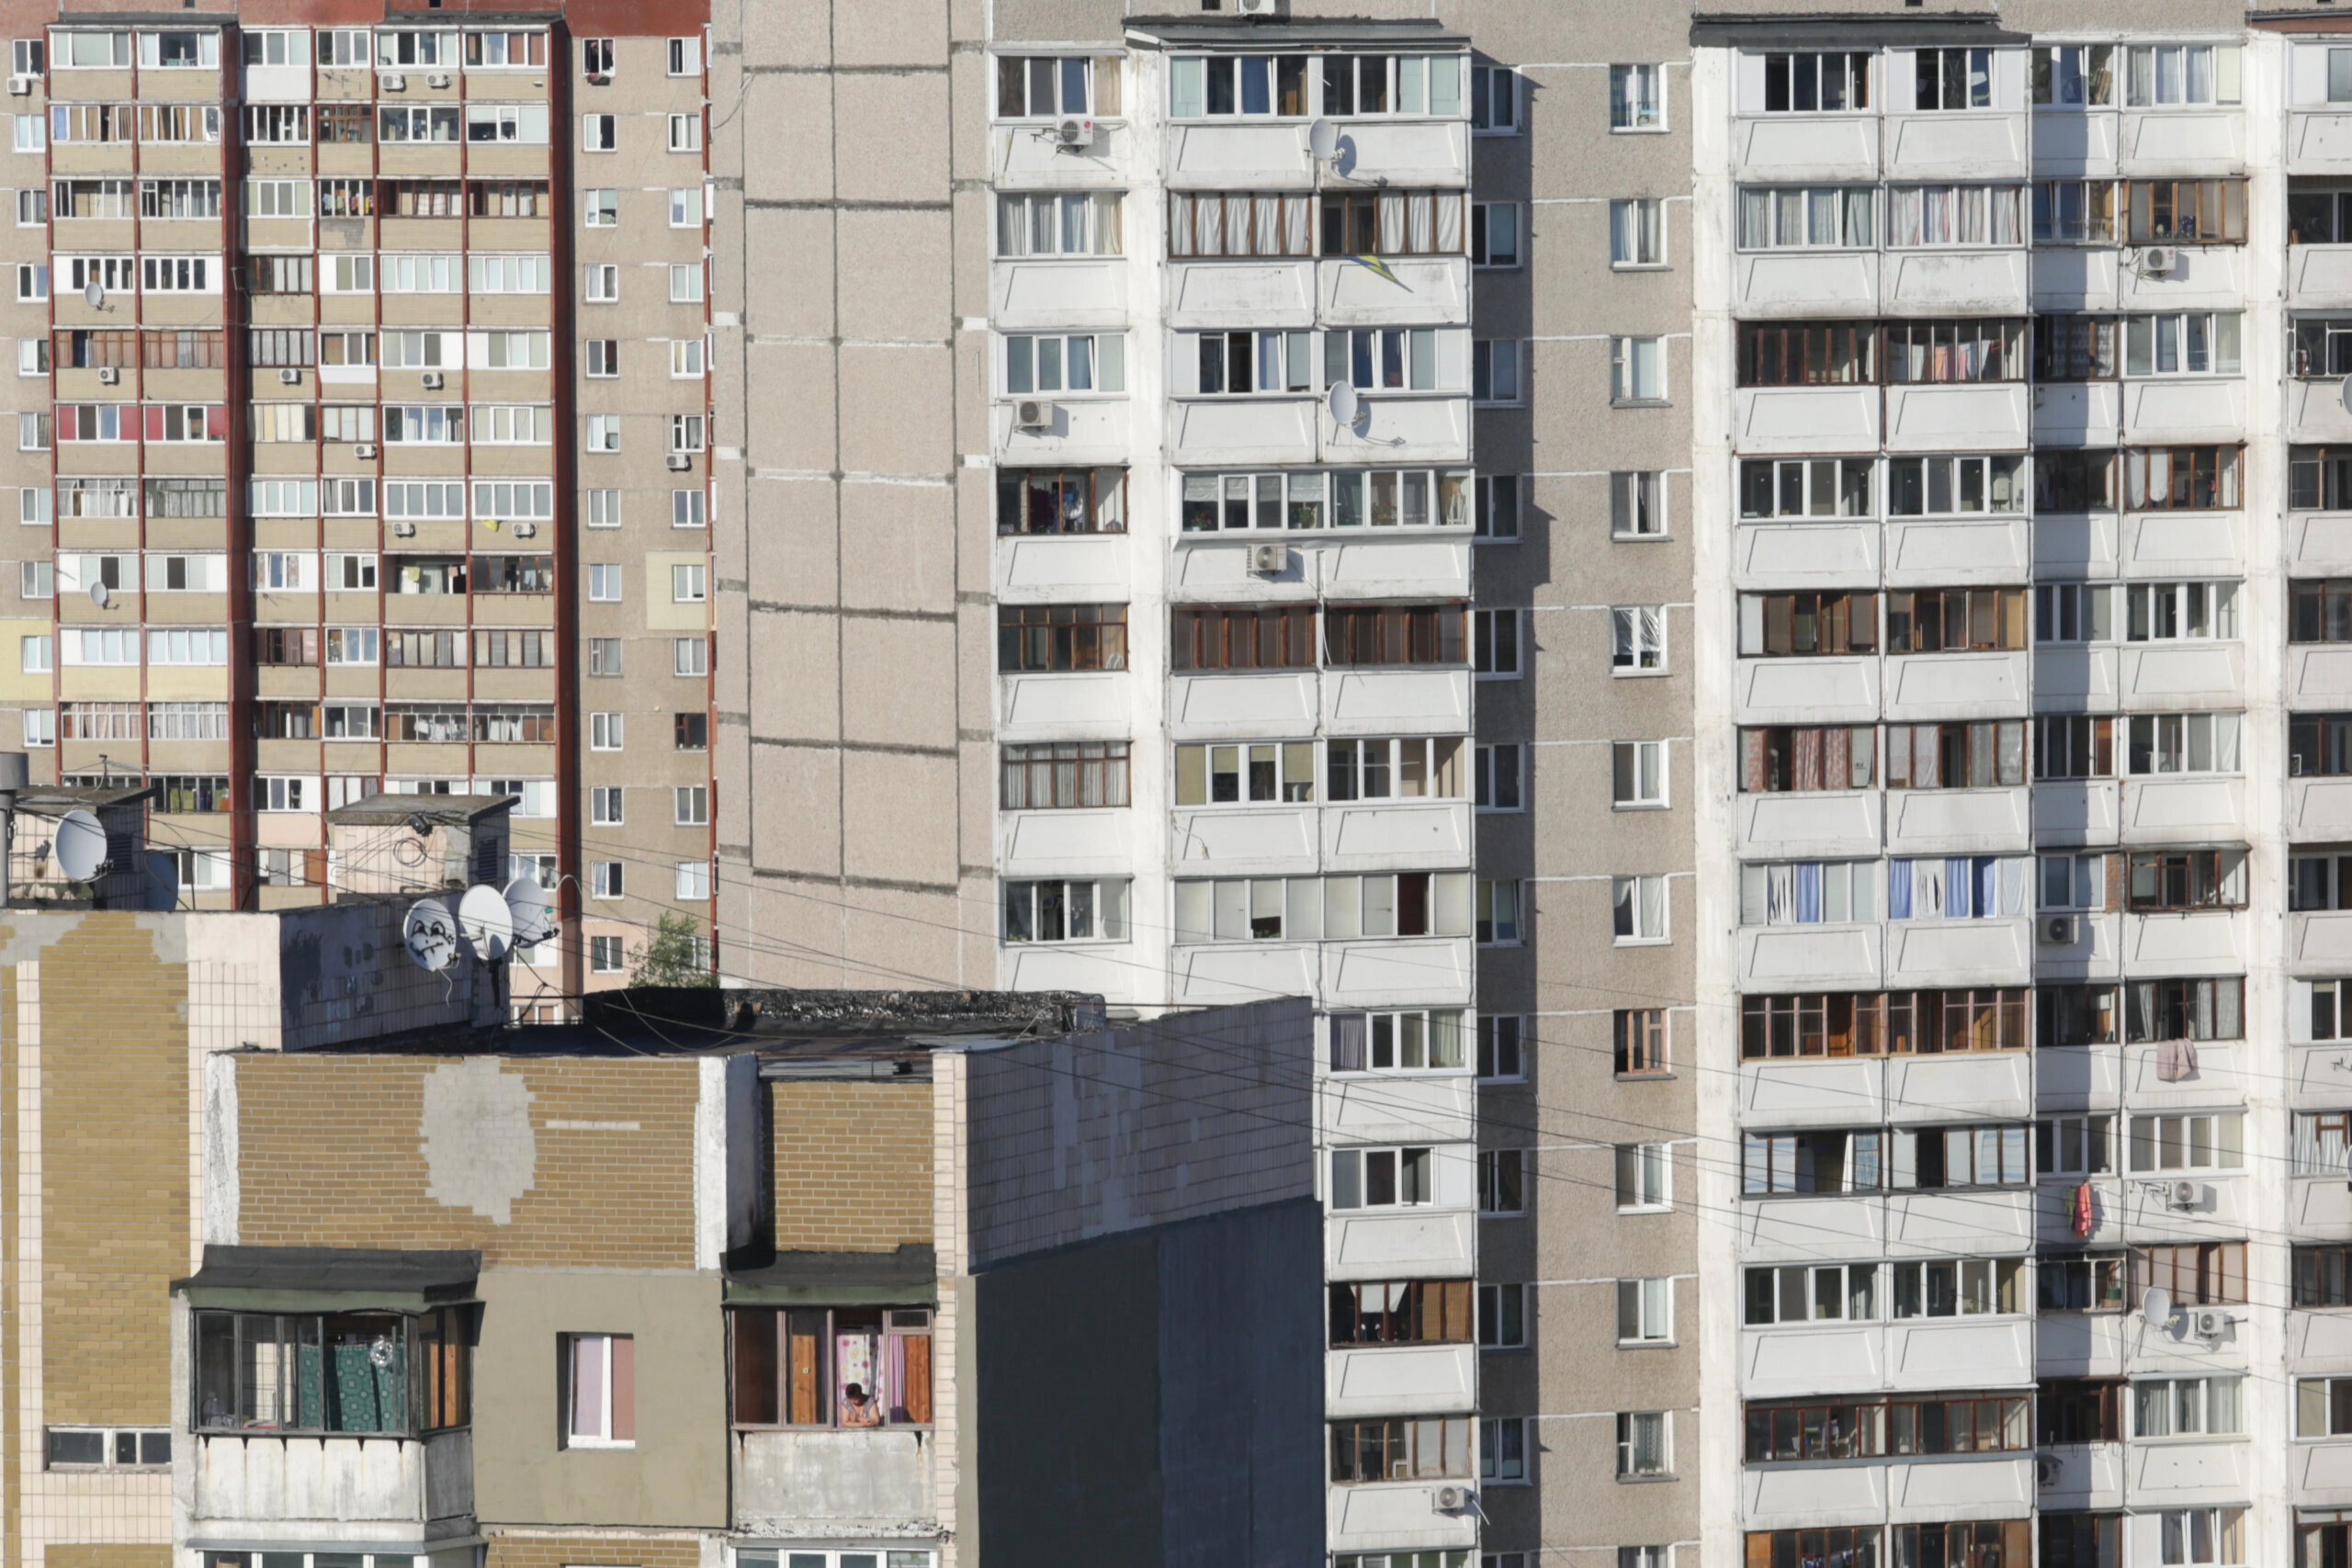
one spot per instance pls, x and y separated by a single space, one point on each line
2188 1472
1058 294
1219 573
2081 547
2322 1075
2071 278
1401 1515
1809 958
1779 1362
1408 292
357 1482
2173 142
1349 569
279 84
1785 1092
1957 554
1786 1229
2316 411
1368 838
2088 1475
2320 1207
2073 679
1967 1085
2072 1079
1981 417
1242 972
1212 706
1807 691
1432 1243
1955 821
1039 844
2147 1214
1400 152
2074 143
1397 972
1780 148
1805 419
2324 1470
1960 953
1956 146
2320 143
2096 954
1055 707
2207 943
1244 157
1043 570
1109 969
2078 413
2306 74
1801 555
2320 1342
1926 1224
2319 810
1242 293
1960 1353
2185 809
2319 677
1925 283
2053 1214
1961 1489
1092 430
2220 1075
1246 841
2081 811
1024 160
1813 824
2192 675
1805 283
2183 410
2200 275
1368 702
2319 944
1826 1494
2319 543
2081 1344
2319 276
1243 430
1399 429
1388 1108
1401 1380
1956 685
2162 544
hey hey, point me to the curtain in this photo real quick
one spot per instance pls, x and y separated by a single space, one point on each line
1808 885
1208 213
1903 216
1807 759
1238 241
1391 223
1347 1042
1780 895
1838 764
1419 226
1755 219
1653 634
1988 888
1898 890
1266 227
1449 223
2007 231
853 1362
1926 757
1653 897
1927 890
1752 760
1295 237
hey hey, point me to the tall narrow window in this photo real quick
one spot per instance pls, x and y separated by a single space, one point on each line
599 1391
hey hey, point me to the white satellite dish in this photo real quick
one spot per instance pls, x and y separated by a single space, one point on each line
533 913
431 934
1323 141
100 595
2155 1306
488 924
2343 393
1342 402
93 295
80 847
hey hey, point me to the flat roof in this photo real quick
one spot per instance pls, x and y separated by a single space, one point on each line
327 1278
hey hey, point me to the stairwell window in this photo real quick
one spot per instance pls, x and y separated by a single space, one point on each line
1502 1190
599 1391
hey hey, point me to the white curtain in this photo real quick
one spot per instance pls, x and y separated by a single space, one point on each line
1449 223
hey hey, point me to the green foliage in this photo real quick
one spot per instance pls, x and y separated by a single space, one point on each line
676 955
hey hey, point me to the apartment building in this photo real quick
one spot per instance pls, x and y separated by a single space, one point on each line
362 406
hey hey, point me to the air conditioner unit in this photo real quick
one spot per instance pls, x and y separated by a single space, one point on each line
1033 413
403 530
2060 931
2157 261
2048 1469
2182 1195
396 83
108 375
1074 130
680 462
1258 7
437 80
19 85
365 449
291 376
1269 560
1451 1499
433 381
2210 1325
526 530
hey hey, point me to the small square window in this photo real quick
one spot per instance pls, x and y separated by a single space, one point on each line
606 880
601 209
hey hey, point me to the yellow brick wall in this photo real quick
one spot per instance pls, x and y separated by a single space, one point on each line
114 1112
593 1551
331 1154
852 1165
90 1555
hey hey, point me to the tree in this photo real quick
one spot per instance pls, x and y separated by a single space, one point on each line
675 955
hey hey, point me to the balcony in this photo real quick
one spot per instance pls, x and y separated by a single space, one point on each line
1026 157
1396 835
1393 702
2078 413
2150 1210
1805 283
2316 411
1809 825
1958 146
1385 970
1927 686
2319 810
2077 547
1985 416
1399 1108
1913 1090
1057 294
1810 958
1092 430
1352 564
1919 1354
359 1488
2182 144
1954 283
1803 148
2322 1472
826 1482
2177 544
2319 676
2076 142
1212 432
2086 1475
1268 291
2078 278
1272 840
1997 951
1804 554
2320 942
2169 410
2319 1343
1805 419
2319 278
2084 1344
2167 677
2182 809
1247 706
1394 427
1405 1244
1958 821
1389 1515
2177 1473
1042 569
2073 678
1401 1380
2319 544
2202 277
1841 690
1957 553
1064 843
2093 954
2204 942
1415 292
1399 152
1790 1496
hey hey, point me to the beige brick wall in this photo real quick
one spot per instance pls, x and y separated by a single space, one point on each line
600 1551
101 1555
114 1111
332 1153
852 1165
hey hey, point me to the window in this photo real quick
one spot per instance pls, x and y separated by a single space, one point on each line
1955 619
1871 1427
36 654
1079 363
1252 85
600 1390
1398 1449
2072 77
1414 1311
2184 1009
1921 216
685 134
1307 909
2177 1407
1041 86
1500 1039
1637 98
1818 1293
1066 911
1807 217
1494 99
1949 352
2196 342
1918 487
1083 224
606 807
1494 641
1267 771
1385 1042
606 879
686 509
1953 79
1502 1448
1499 912
687 433
1817 83
2078 882
1807 353
1808 758
605 732
1048 501
1495 235
1501 1188
2323 1275
1640 1036
31 133
1636 369
1497 506
690 805
1385 223
1384 358
2186 879
1637 644
600 209
1637 232
412 1373
27 57
1502 1316
2200 1274
1783 625
2178 73
685 56
2080 1282
687 583
1495 778
2193 211
605 955
604 358
604 584
32 282
1977 754
1380 1179
1062 637
2202 1142
1071 774
1381 84
1408 767
685 208
1645 1445
604 283
73 1447
32 208
596 57
1638 773
1645 1311
685 284
843 1367
598 132
1357 636
690 657
1643 1178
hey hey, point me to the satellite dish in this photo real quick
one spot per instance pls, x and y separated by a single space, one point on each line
2155 1306
488 924
1342 402
163 881
80 847
431 934
93 297
100 595
534 915
1323 141
2343 393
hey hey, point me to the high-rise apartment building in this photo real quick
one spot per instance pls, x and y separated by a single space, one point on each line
361 416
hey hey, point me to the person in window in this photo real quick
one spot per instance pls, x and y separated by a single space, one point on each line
858 1409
